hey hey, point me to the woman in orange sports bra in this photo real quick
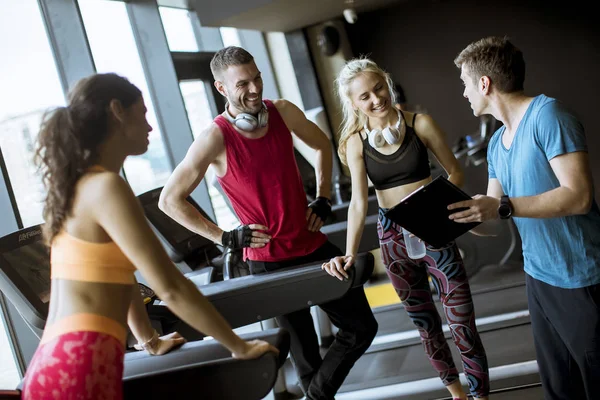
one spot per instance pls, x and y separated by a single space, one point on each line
99 236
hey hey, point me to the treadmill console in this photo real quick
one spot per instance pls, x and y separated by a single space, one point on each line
25 274
179 242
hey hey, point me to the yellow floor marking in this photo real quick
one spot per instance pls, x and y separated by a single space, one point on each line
382 294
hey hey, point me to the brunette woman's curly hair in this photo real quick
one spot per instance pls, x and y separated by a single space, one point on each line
68 141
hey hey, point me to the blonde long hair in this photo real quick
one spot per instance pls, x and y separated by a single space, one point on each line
354 120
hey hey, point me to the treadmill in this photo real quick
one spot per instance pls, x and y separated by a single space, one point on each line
198 258
204 365
395 362
396 367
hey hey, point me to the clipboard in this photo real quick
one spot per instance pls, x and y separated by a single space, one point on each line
424 212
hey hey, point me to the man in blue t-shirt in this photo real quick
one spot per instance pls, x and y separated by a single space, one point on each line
539 175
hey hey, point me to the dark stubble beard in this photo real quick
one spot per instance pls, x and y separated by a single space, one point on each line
240 107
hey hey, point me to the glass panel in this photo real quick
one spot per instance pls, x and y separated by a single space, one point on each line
178 28
230 37
114 50
226 219
196 105
199 115
29 86
9 375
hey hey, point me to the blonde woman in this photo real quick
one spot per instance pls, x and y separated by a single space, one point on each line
390 147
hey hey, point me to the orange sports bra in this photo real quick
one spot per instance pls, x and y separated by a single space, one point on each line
77 259
80 260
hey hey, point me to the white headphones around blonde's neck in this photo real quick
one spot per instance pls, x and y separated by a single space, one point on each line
390 134
248 122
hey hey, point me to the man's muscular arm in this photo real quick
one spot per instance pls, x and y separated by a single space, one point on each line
186 177
574 195
207 149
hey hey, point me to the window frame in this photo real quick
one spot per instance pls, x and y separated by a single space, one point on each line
73 60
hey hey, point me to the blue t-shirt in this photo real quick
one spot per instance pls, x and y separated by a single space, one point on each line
564 251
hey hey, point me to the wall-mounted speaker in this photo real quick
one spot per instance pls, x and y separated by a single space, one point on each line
329 40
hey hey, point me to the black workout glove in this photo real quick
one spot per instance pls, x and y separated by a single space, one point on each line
321 207
237 238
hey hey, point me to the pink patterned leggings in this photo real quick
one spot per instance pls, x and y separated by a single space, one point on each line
76 365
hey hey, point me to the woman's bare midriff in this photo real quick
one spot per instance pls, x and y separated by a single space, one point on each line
70 297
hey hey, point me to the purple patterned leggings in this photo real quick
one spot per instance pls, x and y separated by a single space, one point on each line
410 279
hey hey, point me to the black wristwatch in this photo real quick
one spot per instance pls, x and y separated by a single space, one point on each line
505 209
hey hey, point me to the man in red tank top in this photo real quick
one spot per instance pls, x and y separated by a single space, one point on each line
251 150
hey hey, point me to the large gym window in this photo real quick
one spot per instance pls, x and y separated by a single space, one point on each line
196 105
230 37
114 50
29 86
178 29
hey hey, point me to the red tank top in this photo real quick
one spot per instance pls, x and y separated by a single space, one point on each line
264 186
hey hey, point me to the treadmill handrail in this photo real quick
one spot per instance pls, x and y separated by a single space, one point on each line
199 354
207 367
213 380
249 299
358 274
191 366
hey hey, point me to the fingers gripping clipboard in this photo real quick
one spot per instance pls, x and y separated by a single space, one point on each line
425 212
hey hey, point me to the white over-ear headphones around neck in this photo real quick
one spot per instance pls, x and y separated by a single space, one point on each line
248 122
390 134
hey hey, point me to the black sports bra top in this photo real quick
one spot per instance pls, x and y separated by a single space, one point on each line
408 164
